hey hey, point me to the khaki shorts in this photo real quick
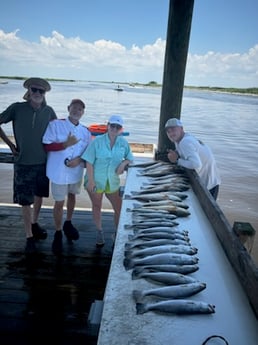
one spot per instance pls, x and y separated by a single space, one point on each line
60 191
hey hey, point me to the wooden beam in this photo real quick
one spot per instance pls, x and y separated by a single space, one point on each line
178 35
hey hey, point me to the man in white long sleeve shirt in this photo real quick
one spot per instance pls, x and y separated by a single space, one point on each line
191 153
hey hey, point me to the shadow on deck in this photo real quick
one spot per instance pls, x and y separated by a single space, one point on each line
48 299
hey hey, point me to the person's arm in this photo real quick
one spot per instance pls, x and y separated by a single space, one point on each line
122 166
190 158
71 140
90 174
8 142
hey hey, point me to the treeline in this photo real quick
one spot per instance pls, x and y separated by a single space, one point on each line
249 91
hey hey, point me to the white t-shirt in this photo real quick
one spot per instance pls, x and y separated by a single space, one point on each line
196 155
57 132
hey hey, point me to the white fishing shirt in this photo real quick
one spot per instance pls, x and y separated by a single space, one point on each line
57 132
196 155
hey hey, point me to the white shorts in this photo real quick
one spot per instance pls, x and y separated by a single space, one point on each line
60 191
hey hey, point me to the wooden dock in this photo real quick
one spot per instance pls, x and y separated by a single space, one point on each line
48 299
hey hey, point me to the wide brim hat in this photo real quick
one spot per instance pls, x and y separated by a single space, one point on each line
35 82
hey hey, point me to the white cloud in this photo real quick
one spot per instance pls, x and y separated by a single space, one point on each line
72 58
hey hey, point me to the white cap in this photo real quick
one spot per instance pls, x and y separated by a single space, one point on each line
174 122
116 119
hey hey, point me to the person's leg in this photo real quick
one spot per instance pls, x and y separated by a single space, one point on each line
96 201
116 203
59 193
36 208
58 214
71 200
26 214
70 231
23 193
30 247
41 189
38 232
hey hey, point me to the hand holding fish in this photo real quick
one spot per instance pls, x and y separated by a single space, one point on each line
172 156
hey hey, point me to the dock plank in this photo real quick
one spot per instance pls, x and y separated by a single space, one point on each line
49 299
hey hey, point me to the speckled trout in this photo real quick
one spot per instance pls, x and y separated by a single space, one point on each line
170 292
169 229
151 223
161 259
178 306
141 244
179 249
183 269
166 278
160 203
158 235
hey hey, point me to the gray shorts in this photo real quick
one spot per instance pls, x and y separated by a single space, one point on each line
29 181
60 191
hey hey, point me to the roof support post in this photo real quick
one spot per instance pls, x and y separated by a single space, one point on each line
178 35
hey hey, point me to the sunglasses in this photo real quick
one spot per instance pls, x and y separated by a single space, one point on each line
114 125
35 89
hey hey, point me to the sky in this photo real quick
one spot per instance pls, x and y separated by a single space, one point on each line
125 41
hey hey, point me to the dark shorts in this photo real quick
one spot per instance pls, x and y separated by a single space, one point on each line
29 181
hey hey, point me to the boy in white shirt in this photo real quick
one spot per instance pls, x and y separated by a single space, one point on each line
65 140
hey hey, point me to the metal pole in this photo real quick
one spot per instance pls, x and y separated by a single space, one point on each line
178 35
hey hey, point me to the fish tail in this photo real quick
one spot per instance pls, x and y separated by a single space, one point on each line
137 295
128 246
135 274
141 308
128 253
138 270
128 264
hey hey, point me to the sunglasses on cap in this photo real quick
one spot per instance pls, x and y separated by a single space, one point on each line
114 125
35 89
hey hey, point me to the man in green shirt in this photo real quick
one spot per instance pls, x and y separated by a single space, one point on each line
29 120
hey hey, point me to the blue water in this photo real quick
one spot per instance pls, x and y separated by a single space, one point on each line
228 123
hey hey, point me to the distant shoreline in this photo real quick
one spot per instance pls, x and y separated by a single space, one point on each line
242 91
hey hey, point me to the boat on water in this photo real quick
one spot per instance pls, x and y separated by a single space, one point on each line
119 88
